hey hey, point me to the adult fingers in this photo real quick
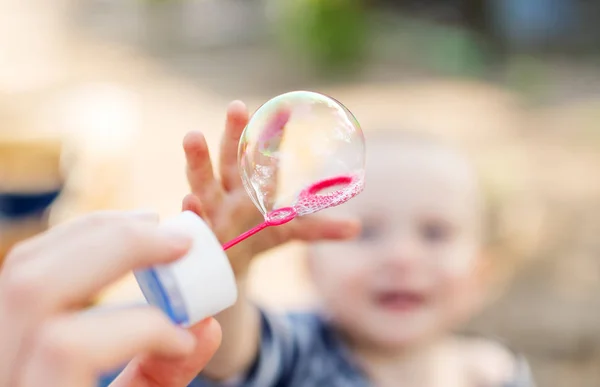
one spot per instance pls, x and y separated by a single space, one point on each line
67 265
71 350
237 119
77 261
27 249
153 371
200 171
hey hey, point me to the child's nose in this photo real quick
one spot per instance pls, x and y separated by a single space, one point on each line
403 251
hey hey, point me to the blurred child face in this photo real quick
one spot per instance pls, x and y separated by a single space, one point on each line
413 272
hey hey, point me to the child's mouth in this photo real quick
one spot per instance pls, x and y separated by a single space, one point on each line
400 301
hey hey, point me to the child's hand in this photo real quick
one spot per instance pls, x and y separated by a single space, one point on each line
225 205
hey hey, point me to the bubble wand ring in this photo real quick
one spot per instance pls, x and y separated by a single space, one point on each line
306 204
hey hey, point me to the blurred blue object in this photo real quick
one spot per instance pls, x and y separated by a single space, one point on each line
527 23
106 379
21 205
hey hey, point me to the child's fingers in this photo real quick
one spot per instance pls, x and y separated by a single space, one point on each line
269 140
315 227
192 203
237 119
200 170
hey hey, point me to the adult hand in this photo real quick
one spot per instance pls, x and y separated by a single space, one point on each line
225 205
47 340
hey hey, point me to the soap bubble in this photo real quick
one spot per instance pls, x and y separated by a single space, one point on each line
300 153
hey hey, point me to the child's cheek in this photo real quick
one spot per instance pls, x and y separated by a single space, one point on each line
459 294
352 302
459 261
340 272
353 275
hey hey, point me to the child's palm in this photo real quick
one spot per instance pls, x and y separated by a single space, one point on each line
225 205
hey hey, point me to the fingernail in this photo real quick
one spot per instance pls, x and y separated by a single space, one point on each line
177 238
237 104
145 215
352 228
186 338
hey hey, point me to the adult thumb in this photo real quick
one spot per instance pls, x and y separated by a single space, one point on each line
161 372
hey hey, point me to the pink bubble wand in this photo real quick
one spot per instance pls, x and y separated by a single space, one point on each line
309 201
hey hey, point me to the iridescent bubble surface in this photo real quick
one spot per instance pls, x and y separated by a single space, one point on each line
301 152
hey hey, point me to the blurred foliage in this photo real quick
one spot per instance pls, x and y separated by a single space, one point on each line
160 1
527 76
333 35
446 49
453 51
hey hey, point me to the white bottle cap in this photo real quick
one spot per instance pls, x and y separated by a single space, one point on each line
196 286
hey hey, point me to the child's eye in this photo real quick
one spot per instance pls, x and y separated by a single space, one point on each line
370 230
435 232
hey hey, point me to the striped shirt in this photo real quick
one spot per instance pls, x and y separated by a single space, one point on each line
302 350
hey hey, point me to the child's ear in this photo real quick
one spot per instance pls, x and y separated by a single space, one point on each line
484 268
489 280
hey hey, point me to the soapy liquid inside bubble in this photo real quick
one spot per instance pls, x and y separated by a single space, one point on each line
328 193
